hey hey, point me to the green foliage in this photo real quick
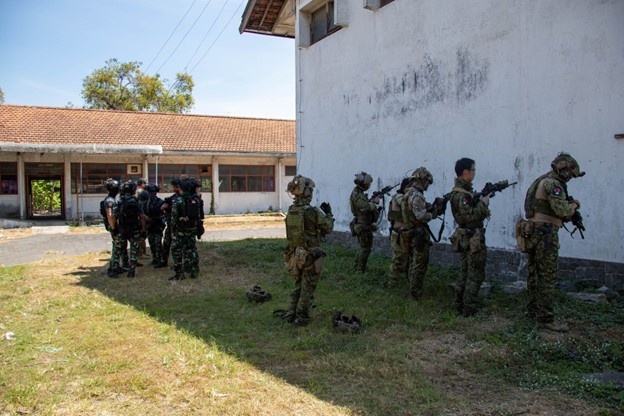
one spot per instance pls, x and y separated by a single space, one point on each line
46 195
122 86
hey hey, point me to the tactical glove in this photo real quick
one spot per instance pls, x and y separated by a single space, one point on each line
326 208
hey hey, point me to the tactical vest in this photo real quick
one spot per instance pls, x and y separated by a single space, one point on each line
394 213
454 191
532 204
295 225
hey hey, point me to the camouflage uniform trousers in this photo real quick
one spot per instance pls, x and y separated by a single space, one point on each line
302 296
419 263
472 274
400 261
365 240
184 252
166 245
121 244
541 282
155 237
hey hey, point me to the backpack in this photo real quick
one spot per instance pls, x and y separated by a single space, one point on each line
128 212
189 212
295 228
153 207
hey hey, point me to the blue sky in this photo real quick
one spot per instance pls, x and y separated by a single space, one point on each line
47 47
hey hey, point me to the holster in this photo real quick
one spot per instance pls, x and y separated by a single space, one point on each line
420 238
546 231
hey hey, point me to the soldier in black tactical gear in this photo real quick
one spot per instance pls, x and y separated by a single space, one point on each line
106 209
166 209
155 224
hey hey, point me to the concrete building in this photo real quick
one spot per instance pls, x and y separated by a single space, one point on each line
243 163
388 86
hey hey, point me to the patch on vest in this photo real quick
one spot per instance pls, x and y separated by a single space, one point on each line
465 200
556 191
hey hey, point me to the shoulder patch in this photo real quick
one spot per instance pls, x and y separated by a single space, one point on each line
465 201
557 190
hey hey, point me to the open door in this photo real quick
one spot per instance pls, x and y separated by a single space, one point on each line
45 198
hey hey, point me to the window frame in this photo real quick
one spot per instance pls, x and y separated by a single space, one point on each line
201 172
8 179
98 179
238 176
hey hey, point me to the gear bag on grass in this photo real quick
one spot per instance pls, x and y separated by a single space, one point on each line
189 212
128 214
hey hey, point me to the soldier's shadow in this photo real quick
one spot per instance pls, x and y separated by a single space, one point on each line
334 366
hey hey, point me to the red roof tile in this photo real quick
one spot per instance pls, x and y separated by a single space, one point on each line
174 132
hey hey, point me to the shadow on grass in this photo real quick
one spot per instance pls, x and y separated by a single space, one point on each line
377 371
371 372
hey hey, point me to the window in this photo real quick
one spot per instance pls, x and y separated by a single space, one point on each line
8 178
382 3
322 22
94 176
238 178
290 170
202 173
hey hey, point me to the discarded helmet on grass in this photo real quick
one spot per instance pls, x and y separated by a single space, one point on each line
346 324
256 294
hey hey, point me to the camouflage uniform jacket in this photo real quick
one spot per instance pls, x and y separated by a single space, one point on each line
177 211
363 210
547 200
466 215
414 208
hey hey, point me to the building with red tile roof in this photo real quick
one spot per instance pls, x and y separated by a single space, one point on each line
250 158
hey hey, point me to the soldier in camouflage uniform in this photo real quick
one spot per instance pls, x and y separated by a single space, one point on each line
365 214
469 237
130 227
155 224
400 249
166 208
547 206
142 195
185 216
305 228
416 214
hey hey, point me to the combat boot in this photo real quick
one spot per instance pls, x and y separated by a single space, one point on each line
131 273
112 273
160 265
551 326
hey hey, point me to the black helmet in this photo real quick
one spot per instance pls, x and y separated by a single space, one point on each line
112 185
152 189
188 185
141 181
143 195
128 187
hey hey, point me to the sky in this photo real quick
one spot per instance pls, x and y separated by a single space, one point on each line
47 48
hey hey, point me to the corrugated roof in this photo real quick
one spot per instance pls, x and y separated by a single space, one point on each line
174 132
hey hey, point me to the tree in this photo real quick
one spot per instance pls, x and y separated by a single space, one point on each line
1 96
122 86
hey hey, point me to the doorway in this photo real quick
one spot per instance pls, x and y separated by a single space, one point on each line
44 186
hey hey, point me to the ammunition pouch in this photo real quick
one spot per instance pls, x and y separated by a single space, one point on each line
298 259
467 239
524 234
477 242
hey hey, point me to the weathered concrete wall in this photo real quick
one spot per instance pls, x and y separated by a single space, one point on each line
506 266
507 83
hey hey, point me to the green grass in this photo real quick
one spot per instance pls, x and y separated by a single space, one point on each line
89 344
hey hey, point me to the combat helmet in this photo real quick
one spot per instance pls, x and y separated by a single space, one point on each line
128 187
422 176
363 180
112 185
153 188
346 324
566 166
300 186
256 294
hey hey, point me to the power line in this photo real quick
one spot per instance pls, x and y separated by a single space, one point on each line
169 38
205 36
218 36
185 35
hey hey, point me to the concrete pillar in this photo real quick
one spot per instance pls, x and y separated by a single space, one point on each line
21 186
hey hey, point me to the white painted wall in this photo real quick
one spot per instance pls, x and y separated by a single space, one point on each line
507 83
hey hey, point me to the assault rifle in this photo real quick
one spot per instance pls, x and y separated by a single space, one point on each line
577 221
439 204
384 191
490 190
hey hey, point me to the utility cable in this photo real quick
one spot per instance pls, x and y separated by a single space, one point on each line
218 36
205 36
185 35
170 36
